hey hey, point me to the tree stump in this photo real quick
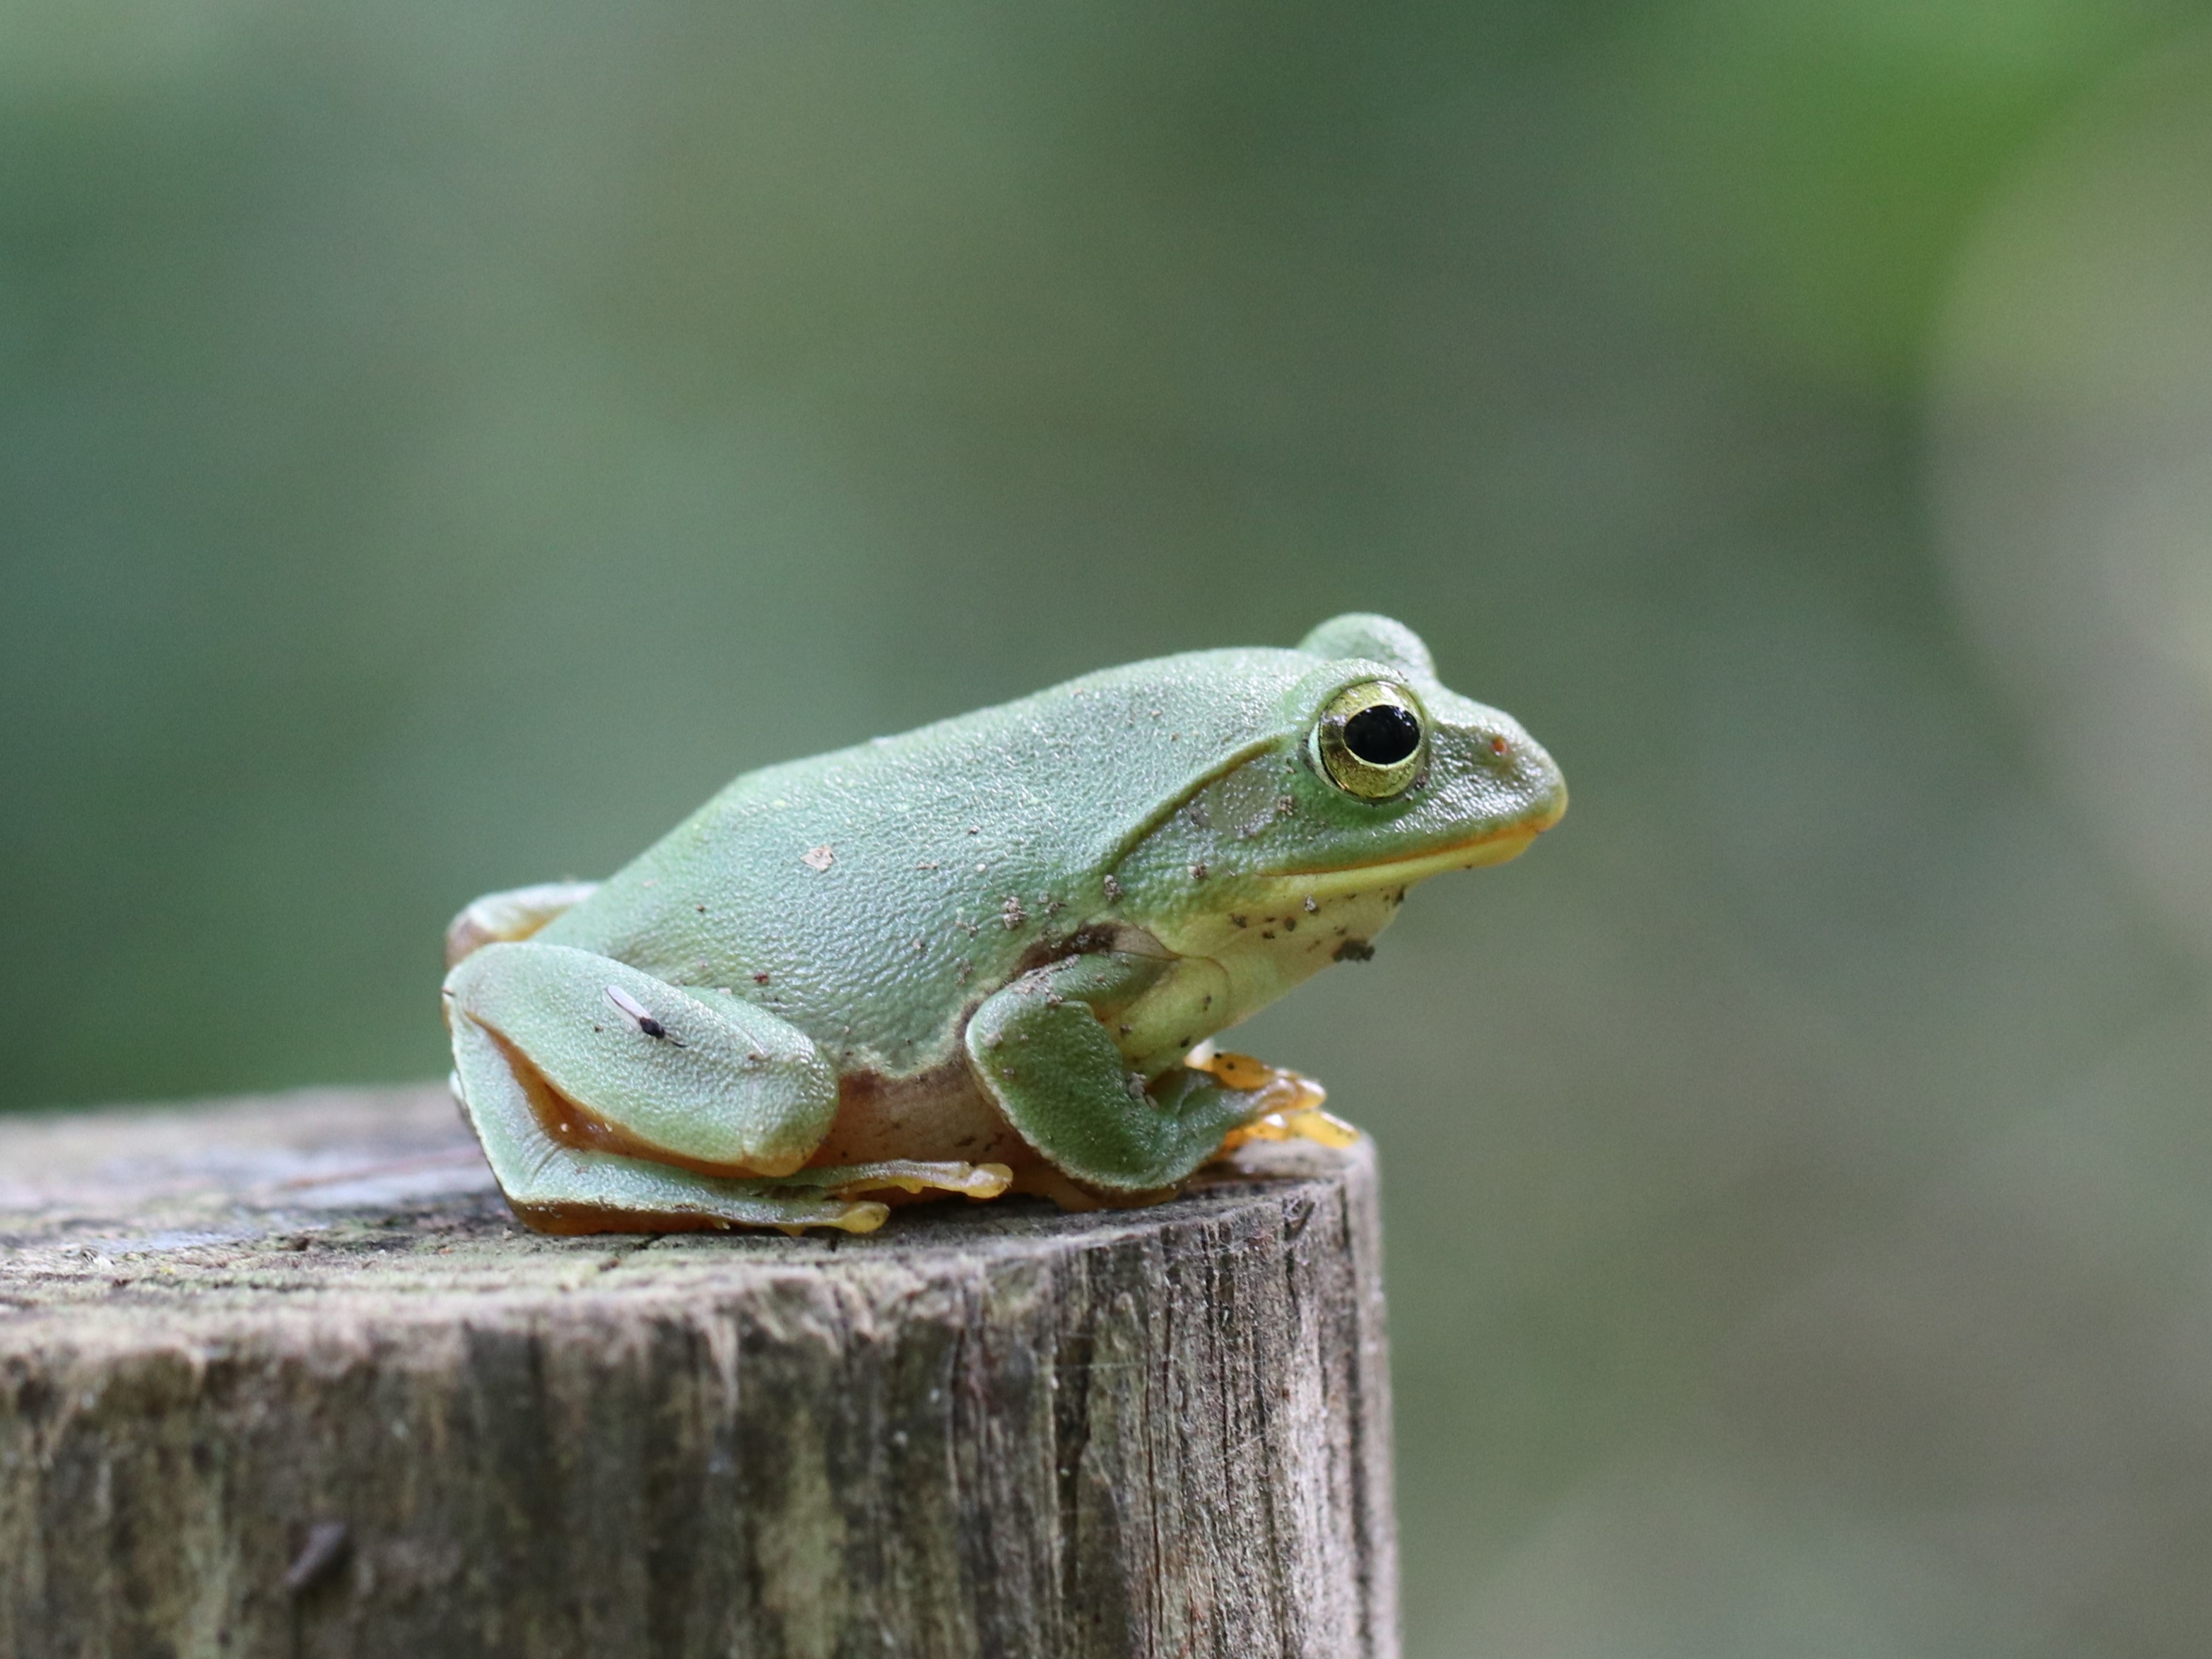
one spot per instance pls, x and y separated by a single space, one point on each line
283 1377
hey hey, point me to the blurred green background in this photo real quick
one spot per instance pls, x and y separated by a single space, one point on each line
440 445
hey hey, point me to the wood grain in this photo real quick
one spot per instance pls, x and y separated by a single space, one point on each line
283 1377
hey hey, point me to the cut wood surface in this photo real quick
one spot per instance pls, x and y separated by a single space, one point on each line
283 1377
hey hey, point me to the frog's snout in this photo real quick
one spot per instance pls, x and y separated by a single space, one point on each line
1552 806
1536 773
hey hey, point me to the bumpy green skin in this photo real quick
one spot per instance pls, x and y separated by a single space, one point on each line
1046 903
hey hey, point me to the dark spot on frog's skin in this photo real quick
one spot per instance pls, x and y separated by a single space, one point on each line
760 978
1355 949
1125 1029
1113 887
700 908
1198 872
1290 924
1208 1003
1239 922
1267 932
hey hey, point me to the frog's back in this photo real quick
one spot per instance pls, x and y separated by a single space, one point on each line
874 895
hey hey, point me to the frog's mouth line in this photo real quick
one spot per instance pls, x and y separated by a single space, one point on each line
1498 846
1403 873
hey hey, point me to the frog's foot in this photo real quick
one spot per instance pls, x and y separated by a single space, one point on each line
609 1101
1289 1103
908 1175
511 916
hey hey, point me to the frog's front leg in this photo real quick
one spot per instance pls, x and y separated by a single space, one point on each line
581 1075
1041 1049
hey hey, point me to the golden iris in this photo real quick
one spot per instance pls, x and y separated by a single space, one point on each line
1371 740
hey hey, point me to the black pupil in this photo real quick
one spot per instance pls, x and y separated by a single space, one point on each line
1383 735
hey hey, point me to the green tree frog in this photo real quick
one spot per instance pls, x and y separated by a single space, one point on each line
988 955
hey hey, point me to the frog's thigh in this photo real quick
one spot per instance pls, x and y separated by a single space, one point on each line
691 1073
1039 1047
569 1189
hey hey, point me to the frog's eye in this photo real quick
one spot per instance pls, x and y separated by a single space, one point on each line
1371 740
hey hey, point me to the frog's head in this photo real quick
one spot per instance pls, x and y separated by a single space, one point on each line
1367 775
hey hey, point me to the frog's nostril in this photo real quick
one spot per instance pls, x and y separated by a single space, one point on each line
1497 745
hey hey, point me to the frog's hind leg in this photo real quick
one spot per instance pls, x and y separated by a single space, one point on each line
511 916
581 1075
558 1188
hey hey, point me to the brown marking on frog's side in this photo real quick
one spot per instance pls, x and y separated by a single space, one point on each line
569 1122
934 1116
937 1116
1058 947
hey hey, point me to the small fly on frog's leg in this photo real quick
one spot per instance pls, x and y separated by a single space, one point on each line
637 1014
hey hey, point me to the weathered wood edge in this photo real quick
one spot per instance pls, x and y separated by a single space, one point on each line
985 1429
